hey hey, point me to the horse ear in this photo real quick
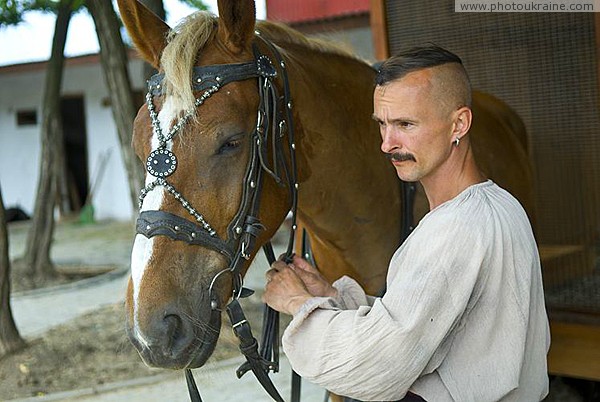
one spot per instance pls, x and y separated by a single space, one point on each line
148 32
236 25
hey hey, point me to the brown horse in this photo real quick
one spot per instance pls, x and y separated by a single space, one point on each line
348 193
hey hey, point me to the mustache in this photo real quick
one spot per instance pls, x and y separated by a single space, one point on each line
400 157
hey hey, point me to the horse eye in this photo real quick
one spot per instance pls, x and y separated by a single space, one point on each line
229 146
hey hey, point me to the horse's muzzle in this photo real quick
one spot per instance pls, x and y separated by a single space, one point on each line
175 341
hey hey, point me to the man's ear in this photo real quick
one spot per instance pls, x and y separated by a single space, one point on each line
463 118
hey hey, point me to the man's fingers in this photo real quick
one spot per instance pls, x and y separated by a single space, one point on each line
284 256
301 263
270 274
278 265
279 269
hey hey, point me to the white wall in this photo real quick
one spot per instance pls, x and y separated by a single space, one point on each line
20 146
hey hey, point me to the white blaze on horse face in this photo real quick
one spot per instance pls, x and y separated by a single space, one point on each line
143 248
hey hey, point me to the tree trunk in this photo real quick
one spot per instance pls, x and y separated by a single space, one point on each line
39 238
158 8
63 198
10 340
114 65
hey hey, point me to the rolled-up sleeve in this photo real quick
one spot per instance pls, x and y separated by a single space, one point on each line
351 295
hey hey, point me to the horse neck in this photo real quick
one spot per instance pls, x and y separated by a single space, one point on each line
349 194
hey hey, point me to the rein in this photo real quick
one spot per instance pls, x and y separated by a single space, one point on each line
274 122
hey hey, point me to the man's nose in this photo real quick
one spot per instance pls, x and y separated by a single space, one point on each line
390 142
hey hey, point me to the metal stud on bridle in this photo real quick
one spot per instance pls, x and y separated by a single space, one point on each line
162 162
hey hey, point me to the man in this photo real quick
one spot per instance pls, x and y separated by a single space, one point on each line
463 317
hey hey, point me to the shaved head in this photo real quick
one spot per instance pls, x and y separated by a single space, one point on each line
448 80
451 86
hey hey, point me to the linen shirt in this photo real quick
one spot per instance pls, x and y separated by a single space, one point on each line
463 318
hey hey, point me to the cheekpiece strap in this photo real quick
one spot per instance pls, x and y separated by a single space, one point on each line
205 77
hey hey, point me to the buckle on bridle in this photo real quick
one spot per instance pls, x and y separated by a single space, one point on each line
243 252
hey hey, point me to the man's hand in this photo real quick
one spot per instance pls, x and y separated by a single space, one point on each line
285 291
316 284
290 285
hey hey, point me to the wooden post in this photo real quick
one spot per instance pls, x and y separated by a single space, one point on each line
379 29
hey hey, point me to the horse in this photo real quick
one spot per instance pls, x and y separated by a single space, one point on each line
346 193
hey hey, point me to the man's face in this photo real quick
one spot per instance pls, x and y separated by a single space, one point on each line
414 125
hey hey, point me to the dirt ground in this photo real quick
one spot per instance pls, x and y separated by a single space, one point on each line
89 351
85 245
20 280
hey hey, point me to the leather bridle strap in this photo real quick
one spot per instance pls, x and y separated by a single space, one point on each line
267 359
205 77
270 118
408 191
249 348
192 388
154 223
270 332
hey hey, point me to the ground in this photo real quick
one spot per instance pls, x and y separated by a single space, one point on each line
94 346
96 350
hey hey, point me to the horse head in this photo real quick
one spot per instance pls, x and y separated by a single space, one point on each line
219 177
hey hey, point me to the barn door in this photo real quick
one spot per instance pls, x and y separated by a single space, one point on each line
74 187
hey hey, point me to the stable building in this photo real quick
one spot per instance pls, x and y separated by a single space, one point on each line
93 155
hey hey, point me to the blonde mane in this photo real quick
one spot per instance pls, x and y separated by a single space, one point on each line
188 38
179 56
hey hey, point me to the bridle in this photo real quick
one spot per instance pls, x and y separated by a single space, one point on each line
274 123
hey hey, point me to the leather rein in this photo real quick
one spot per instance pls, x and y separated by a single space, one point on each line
274 122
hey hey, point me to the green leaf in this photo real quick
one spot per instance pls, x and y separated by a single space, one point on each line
12 11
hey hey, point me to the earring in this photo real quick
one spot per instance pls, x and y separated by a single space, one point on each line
456 141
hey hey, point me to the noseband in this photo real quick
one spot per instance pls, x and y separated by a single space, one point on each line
274 122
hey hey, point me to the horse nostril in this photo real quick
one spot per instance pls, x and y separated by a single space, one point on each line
176 334
173 324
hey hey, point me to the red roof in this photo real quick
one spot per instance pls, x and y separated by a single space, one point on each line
310 10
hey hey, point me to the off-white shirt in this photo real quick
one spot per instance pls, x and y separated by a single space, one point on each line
463 318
